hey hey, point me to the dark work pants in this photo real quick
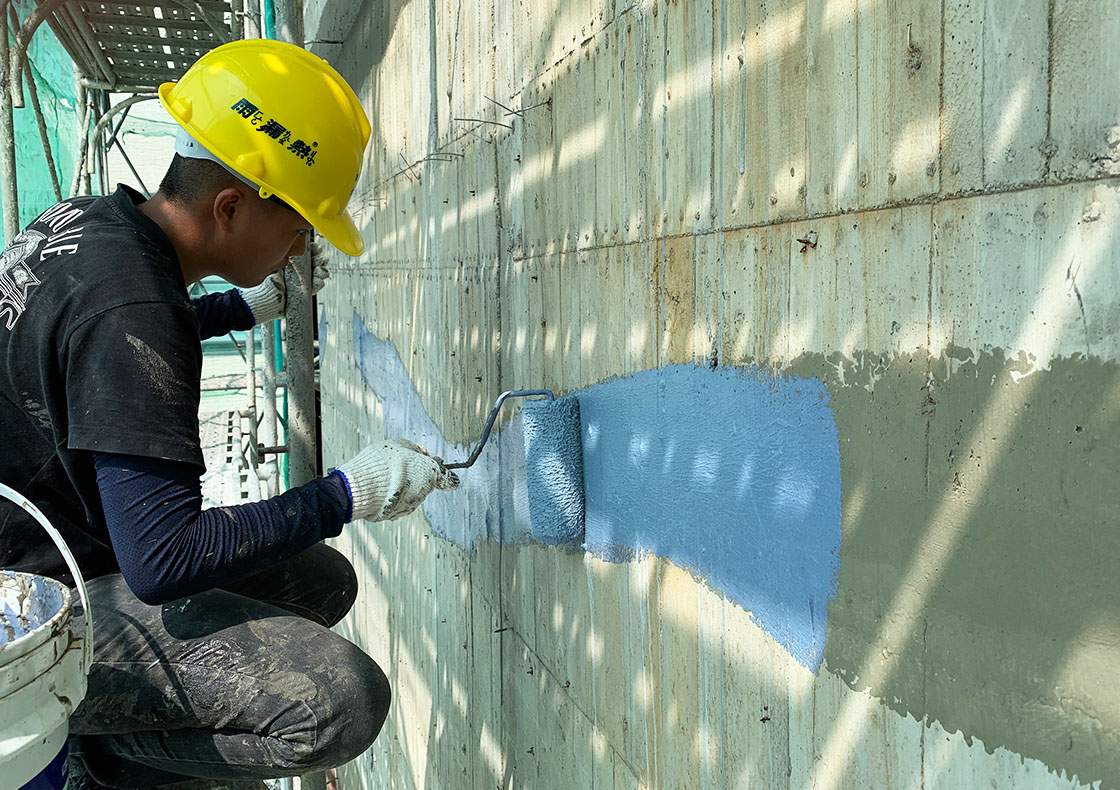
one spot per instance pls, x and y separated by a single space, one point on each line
235 684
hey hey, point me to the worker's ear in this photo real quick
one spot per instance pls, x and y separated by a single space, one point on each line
226 205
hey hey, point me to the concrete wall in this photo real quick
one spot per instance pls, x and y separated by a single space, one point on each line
853 504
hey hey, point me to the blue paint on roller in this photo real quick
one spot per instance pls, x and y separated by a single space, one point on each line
554 470
731 474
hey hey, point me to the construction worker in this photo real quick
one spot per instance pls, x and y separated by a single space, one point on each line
214 665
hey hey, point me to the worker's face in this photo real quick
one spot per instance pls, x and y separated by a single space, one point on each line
261 236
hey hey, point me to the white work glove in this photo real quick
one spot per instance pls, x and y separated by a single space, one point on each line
267 300
390 479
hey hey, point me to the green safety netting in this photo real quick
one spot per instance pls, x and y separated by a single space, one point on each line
53 72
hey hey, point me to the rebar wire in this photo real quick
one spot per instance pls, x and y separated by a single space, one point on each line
408 167
508 110
482 120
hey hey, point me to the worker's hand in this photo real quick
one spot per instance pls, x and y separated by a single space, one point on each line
390 479
319 271
268 300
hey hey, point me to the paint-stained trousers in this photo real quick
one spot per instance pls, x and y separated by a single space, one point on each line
243 683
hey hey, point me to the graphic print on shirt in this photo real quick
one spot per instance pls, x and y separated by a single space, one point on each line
16 277
61 242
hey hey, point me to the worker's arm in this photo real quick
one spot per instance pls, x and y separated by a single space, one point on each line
244 308
169 547
220 313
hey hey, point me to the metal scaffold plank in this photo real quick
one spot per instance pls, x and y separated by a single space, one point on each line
148 22
197 46
211 6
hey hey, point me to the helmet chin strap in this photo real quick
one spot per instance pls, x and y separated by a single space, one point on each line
189 148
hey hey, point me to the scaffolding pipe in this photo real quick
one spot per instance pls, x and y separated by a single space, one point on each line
252 19
114 139
122 105
83 137
298 325
43 136
268 422
66 36
132 167
253 479
99 141
7 137
117 129
14 58
299 318
93 164
85 35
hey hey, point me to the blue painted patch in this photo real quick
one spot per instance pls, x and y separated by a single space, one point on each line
731 474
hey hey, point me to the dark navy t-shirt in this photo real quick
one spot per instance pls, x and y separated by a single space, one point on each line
99 351
100 367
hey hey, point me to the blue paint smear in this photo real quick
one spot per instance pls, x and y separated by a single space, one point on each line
733 474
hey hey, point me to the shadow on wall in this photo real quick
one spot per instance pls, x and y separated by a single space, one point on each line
1013 579
974 543
366 41
974 525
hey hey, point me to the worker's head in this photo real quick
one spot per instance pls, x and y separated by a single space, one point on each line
246 237
272 142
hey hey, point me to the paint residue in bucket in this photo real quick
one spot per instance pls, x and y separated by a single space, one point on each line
26 603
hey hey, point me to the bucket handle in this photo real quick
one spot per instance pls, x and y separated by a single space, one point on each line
71 563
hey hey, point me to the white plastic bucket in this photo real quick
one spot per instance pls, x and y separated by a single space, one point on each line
42 669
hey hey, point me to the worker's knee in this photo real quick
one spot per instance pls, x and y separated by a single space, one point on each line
350 707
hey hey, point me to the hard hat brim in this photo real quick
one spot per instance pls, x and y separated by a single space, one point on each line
341 232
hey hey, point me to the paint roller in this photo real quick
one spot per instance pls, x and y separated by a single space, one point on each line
553 464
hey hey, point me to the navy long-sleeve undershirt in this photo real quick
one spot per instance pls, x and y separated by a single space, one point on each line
219 313
169 547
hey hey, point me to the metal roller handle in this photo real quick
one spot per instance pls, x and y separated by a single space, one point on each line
490 422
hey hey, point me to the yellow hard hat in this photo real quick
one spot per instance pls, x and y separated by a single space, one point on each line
284 120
